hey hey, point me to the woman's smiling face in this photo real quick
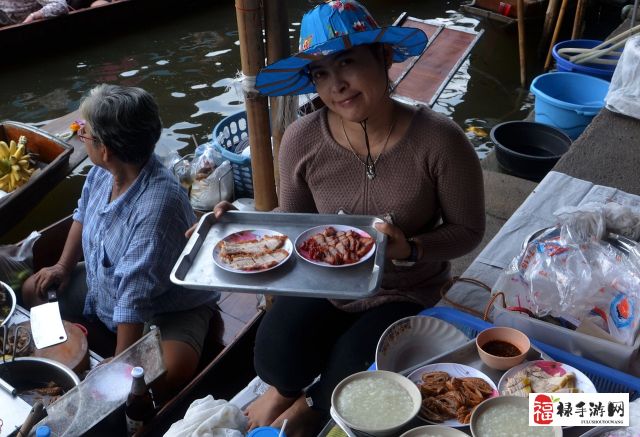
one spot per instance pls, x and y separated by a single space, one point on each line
351 83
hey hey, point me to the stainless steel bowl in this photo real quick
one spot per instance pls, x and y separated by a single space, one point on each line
620 242
9 293
30 372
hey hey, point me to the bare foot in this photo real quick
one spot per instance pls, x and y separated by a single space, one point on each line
302 420
267 408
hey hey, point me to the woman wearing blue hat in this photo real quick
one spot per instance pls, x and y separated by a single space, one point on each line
363 153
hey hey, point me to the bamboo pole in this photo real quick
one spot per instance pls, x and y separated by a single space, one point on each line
549 19
249 16
521 44
278 47
577 21
556 32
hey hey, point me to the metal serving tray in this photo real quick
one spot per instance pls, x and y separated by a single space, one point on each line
296 277
467 354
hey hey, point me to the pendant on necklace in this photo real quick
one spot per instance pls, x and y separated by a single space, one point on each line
371 172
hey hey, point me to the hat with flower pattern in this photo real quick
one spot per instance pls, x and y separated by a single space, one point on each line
329 28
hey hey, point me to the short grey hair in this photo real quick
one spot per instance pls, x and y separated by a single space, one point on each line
124 119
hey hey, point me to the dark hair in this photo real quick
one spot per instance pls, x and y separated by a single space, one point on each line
124 119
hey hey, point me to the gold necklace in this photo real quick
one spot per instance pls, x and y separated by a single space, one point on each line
369 164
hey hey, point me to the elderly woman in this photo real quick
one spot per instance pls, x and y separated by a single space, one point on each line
129 226
18 11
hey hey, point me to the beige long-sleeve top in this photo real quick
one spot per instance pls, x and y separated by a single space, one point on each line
429 183
17 10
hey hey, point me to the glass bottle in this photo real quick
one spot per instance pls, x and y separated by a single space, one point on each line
139 407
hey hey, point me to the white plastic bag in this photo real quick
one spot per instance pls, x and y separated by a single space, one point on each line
624 92
574 276
217 186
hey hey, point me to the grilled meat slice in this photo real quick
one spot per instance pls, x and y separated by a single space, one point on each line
267 243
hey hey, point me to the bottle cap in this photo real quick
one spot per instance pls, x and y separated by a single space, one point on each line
265 431
137 372
43 431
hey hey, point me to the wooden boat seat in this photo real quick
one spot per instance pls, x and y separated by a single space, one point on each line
421 79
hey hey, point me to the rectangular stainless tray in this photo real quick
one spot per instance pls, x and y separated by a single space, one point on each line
195 267
467 354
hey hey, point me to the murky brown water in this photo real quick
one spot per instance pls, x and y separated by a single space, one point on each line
188 64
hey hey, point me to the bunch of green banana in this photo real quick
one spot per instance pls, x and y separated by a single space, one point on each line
14 164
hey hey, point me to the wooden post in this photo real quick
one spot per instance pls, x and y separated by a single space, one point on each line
577 21
556 32
521 44
278 47
549 19
249 16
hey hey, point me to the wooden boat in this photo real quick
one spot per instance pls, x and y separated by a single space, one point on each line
33 40
51 156
226 365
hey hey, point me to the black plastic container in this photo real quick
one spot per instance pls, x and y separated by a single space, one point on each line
527 149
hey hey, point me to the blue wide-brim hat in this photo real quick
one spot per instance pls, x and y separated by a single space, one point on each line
330 28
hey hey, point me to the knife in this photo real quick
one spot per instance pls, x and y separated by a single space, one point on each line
46 325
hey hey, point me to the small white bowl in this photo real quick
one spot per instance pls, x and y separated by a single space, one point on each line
434 430
387 429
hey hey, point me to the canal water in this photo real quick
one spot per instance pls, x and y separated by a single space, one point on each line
189 63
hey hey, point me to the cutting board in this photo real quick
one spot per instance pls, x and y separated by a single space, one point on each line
73 353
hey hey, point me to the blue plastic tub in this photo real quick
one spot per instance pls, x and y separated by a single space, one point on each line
568 101
596 70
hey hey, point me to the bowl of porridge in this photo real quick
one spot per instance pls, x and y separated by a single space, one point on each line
507 416
434 431
379 403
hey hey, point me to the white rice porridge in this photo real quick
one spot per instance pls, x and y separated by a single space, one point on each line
509 421
374 403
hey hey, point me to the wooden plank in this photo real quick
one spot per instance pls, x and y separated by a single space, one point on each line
399 69
62 124
241 306
231 328
436 66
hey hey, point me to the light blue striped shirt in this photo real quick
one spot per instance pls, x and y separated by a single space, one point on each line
131 244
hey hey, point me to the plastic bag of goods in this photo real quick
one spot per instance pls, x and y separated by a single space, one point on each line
624 92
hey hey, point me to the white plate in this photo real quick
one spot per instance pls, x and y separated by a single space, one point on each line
249 234
319 229
455 370
414 340
583 382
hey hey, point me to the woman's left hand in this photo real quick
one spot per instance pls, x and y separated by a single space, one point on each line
397 244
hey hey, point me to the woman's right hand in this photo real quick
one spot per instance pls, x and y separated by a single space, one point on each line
218 211
55 276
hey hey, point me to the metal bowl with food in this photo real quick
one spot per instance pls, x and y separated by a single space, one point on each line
38 379
7 303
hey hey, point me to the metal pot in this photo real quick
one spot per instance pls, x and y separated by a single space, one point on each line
29 372
7 292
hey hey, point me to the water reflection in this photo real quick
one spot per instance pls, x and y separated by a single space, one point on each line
189 65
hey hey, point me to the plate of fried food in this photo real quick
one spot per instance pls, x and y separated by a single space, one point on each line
450 392
544 377
335 246
252 251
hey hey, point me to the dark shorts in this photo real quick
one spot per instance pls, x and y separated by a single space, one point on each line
189 326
